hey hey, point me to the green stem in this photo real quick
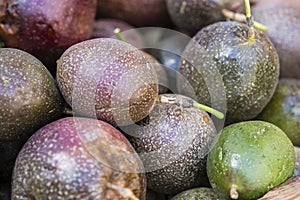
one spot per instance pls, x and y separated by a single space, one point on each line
118 33
249 21
187 103
208 109
248 9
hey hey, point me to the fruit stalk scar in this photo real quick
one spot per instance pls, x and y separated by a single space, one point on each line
188 103
233 192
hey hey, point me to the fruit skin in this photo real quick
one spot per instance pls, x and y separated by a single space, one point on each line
197 194
179 139
107 79
45 28
29 98
28 95
283 109
254 156
57 162
191 16
138 13
249 70
282 19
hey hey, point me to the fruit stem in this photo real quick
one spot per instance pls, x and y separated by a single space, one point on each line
214 112
233 192
239 17
249 20
118 33
188 103
125 192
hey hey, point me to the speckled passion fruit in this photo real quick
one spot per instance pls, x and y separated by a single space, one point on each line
29 99
201 193
45 28
242 57
284 108
107 79
173 142
250 158
56 163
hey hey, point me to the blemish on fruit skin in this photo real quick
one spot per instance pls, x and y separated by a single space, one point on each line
206 120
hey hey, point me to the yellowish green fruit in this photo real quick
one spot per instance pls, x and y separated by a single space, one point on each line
250 158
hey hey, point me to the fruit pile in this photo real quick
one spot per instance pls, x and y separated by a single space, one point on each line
149 99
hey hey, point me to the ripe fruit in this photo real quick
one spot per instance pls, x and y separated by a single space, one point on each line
237 58
173 142
28 95
282 19
78 158
29 99
45 28
250 158
284 109
107 79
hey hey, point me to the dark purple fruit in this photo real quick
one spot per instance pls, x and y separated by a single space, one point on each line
107 79
45 28
78 158
237 58
29 99
191 15
105 28
173 142
135 12
282 19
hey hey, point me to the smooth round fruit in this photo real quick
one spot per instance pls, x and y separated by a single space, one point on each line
107 79
173 142
78 158
45 28
250 158
284 109
226 56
